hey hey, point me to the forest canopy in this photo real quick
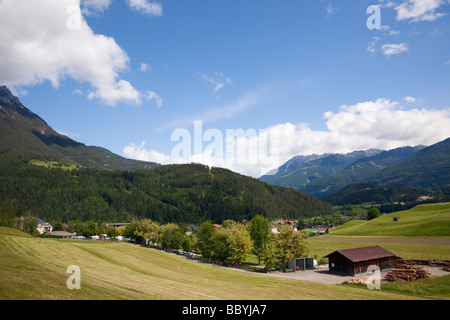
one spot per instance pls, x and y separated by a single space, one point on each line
189 193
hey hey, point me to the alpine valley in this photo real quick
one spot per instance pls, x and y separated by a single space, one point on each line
55 177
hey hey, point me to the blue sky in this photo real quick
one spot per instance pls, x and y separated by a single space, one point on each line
136 70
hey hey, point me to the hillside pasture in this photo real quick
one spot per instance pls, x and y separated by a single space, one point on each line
36 269
430 220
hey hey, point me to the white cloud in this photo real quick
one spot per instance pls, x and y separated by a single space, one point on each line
331 10
388 29
371 48
145 67
151 95
226 111
146 7
386 4
139 153
45 47
89 7
219 80
419 10
381 124
390 49
410 99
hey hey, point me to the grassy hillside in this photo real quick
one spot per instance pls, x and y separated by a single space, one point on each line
35 268
430 220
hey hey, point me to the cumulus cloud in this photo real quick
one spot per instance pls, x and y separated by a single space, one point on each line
219 80
151 95
419 10
381 124
390 49
145 67
49 40
89 7
139 153
146 7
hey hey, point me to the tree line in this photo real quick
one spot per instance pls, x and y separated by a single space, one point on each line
233 241
8 218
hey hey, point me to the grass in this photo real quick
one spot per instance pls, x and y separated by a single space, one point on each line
430 220
54 164
35 269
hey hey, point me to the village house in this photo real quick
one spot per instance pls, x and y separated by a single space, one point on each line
323 230
43 226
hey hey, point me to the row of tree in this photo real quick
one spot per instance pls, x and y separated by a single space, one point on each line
8 218
232 240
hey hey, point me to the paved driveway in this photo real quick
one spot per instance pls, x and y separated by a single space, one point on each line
323 276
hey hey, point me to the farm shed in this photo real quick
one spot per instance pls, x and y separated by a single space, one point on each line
302 264
357 260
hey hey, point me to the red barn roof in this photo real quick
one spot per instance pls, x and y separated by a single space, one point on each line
364 253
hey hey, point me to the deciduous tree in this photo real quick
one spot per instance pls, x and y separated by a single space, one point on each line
259 229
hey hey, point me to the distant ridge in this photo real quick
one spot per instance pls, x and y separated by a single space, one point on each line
428 168
420 167
359 171
23 131
300 171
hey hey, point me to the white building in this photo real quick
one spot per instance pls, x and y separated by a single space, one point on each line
43 226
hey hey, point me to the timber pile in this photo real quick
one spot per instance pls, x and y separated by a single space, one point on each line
443 264
356 280
406 273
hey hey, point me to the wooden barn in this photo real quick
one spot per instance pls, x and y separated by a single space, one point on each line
356 260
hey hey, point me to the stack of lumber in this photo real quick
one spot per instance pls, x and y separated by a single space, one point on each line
406 273
443 264
356 280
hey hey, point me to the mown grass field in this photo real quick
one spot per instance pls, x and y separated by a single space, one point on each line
35 269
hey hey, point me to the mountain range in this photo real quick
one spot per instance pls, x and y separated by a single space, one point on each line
417 167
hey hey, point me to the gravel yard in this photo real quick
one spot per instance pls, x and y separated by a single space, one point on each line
324 276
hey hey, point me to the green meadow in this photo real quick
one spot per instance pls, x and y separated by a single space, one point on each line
429 220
